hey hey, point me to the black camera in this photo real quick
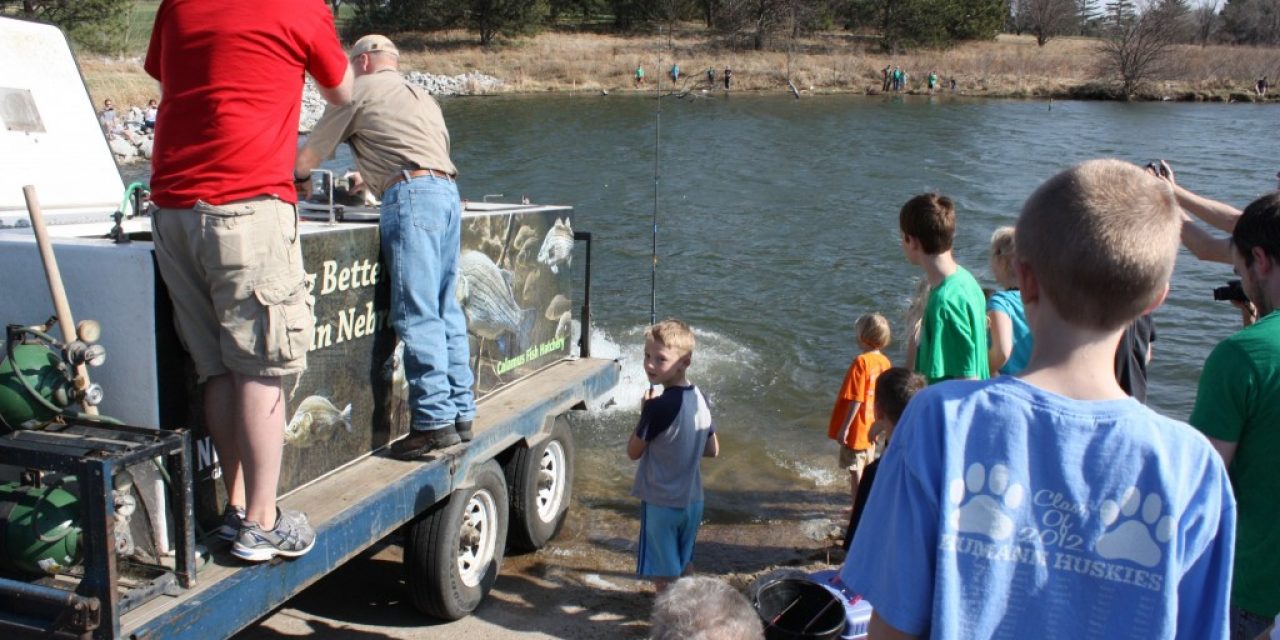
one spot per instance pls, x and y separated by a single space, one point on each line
1233 292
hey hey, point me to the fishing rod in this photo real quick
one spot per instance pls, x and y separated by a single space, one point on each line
657 159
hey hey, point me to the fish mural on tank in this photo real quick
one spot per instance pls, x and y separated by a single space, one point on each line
487 299
316 421
557 246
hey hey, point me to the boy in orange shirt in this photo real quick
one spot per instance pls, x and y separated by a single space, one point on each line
854 411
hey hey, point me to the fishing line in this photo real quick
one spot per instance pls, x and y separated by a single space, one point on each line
657 157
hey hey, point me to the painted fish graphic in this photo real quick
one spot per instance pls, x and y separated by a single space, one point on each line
484 291
397 393
557 247
565 326
558 306
315 421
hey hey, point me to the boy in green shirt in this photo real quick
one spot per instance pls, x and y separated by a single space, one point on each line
1238 408
953 333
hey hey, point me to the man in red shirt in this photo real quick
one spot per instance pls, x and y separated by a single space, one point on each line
226 229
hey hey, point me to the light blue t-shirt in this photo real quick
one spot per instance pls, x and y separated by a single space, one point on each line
1010 303
1004 511
677 425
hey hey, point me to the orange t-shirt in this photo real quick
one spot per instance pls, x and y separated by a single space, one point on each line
859 386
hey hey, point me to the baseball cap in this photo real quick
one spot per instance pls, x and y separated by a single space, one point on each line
373 43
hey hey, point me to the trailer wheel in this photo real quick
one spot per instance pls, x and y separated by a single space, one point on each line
541 484
453 552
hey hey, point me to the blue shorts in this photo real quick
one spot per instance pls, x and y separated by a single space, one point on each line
666 539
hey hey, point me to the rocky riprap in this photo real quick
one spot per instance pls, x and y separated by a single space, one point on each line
466 84
131 144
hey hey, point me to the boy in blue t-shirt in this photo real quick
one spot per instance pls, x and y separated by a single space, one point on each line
673 434
1051 505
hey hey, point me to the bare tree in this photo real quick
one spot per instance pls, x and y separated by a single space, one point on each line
1047 18
1205 19
1135 49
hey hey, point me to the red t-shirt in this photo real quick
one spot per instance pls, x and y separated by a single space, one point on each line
231 78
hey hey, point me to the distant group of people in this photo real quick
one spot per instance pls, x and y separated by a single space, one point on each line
1020 482
895 78
675 74
113 124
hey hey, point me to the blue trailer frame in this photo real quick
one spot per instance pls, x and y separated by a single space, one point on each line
351 516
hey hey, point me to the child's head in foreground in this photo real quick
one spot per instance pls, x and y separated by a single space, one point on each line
1003 254
873 331
894 389
929 219
668 350
1100 240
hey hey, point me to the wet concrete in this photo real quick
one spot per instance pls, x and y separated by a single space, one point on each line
581 585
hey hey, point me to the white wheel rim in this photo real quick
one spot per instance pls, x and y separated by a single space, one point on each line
477 538
550 481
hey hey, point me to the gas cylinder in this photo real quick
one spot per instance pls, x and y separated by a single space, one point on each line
39 529
47 375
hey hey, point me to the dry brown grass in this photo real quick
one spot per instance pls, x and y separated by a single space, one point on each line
826 63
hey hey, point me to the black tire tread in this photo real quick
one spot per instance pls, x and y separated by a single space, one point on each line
525 531
435 588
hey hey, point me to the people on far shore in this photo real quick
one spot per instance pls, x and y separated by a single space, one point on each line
711 77
933 81
1260 87
108 118
675 73
728 77
1122 543
953 331
149 116
674 433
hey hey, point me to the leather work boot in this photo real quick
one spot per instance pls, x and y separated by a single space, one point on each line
463 427
420 443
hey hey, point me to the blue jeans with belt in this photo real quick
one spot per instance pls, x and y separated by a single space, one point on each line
420 224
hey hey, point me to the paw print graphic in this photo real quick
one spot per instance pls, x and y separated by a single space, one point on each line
985 501
1134 537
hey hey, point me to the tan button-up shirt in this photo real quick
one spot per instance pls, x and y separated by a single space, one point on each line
391 125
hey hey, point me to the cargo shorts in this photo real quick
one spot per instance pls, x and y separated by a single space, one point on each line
855 460
240 298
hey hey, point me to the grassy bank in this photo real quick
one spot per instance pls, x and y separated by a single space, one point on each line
835 62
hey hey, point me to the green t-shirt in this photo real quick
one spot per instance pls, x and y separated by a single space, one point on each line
1239 401
953 332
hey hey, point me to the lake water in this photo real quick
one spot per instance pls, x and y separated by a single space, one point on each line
777 227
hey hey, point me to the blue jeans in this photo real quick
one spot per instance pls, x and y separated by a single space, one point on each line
421 226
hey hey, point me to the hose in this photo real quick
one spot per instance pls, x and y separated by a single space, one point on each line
26 384
128 195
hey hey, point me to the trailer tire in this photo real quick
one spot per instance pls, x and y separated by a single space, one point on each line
453 552
541 484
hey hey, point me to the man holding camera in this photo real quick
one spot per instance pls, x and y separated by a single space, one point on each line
1238 408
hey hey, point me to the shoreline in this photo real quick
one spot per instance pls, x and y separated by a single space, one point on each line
830 63
581 585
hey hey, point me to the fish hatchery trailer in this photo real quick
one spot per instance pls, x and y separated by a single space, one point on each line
99 521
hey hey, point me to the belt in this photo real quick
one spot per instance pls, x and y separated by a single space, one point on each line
409 174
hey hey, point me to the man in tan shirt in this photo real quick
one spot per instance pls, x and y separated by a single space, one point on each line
401 144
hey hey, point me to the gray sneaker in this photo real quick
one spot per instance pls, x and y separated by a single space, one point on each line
232 520
291 537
